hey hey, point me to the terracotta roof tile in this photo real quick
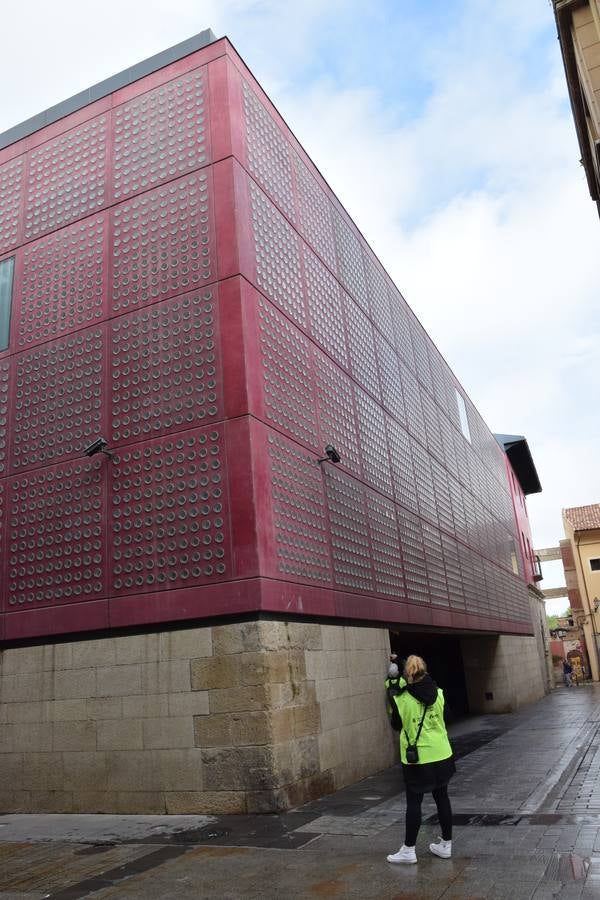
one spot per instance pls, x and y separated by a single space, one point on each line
583 517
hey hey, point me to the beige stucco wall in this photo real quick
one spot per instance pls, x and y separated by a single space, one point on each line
585 546
240 717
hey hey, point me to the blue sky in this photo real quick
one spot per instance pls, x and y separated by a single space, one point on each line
445 129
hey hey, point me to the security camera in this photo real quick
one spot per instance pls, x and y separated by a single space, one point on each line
331 454
100 445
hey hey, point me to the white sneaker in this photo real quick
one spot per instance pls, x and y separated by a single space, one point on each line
404 855
442 848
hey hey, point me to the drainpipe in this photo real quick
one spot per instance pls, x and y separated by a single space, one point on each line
590 612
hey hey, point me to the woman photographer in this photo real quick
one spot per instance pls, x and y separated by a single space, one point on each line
425 754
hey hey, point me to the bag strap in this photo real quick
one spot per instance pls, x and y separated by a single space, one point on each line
425 708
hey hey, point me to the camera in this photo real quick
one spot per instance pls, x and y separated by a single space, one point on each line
98 446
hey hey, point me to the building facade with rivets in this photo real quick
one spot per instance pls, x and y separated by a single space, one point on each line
198 620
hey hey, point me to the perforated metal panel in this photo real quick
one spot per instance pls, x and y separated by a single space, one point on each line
58 399
165 370
373 443
314 214
361 347
349 531
287 375
268 153
336 409
412 404
350 262
66 178
389 373
161 134
385 542
162 243
403 477
62 286
11 180
170 513
325 308
4 386
379 301
413 554
299 512
277 256
55 545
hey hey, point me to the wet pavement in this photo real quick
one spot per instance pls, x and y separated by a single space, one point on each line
526 802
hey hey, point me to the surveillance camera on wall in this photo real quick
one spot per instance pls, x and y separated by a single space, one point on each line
100 445
331 454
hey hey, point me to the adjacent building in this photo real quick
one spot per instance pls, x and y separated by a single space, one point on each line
578 23
197 595
581 561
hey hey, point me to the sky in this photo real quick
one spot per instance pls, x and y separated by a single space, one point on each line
445 129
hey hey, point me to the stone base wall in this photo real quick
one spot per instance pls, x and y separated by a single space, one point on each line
507 668
241 717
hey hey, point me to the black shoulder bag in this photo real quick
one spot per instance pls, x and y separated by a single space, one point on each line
412 754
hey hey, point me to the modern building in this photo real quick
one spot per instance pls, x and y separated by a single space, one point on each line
198 591
578 23
581 562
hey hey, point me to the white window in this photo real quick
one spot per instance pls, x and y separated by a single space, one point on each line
462 415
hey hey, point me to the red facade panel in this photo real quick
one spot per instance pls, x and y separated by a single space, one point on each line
188 287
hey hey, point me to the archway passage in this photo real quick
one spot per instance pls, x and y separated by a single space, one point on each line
443 655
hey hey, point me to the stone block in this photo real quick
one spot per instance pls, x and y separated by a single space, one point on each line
273 634
331 749
282 724
25 688
216 672
12 801
206 803
11 772
58 656
238 768
304 635
118 681
165 677
136 648
65 710
146 706
326 664
332 637
170 733
131 770
141 803
68 684
187 643
120 734
22 660
266 667
95 802
74 735
235 637
104 708
307 720
51 801
7 739
32 736
334 689
93 653
43 771
24 712
85 770
253 697
213 731
189 703
178 770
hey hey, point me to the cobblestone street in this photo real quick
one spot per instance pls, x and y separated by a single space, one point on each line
527 825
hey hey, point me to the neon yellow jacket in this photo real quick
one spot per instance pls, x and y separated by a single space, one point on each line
433 744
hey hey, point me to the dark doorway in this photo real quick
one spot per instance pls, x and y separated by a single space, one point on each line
443 656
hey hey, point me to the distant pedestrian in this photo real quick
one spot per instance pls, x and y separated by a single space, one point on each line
567 673
392 681
425 754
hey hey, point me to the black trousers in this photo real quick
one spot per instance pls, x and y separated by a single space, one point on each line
413 814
